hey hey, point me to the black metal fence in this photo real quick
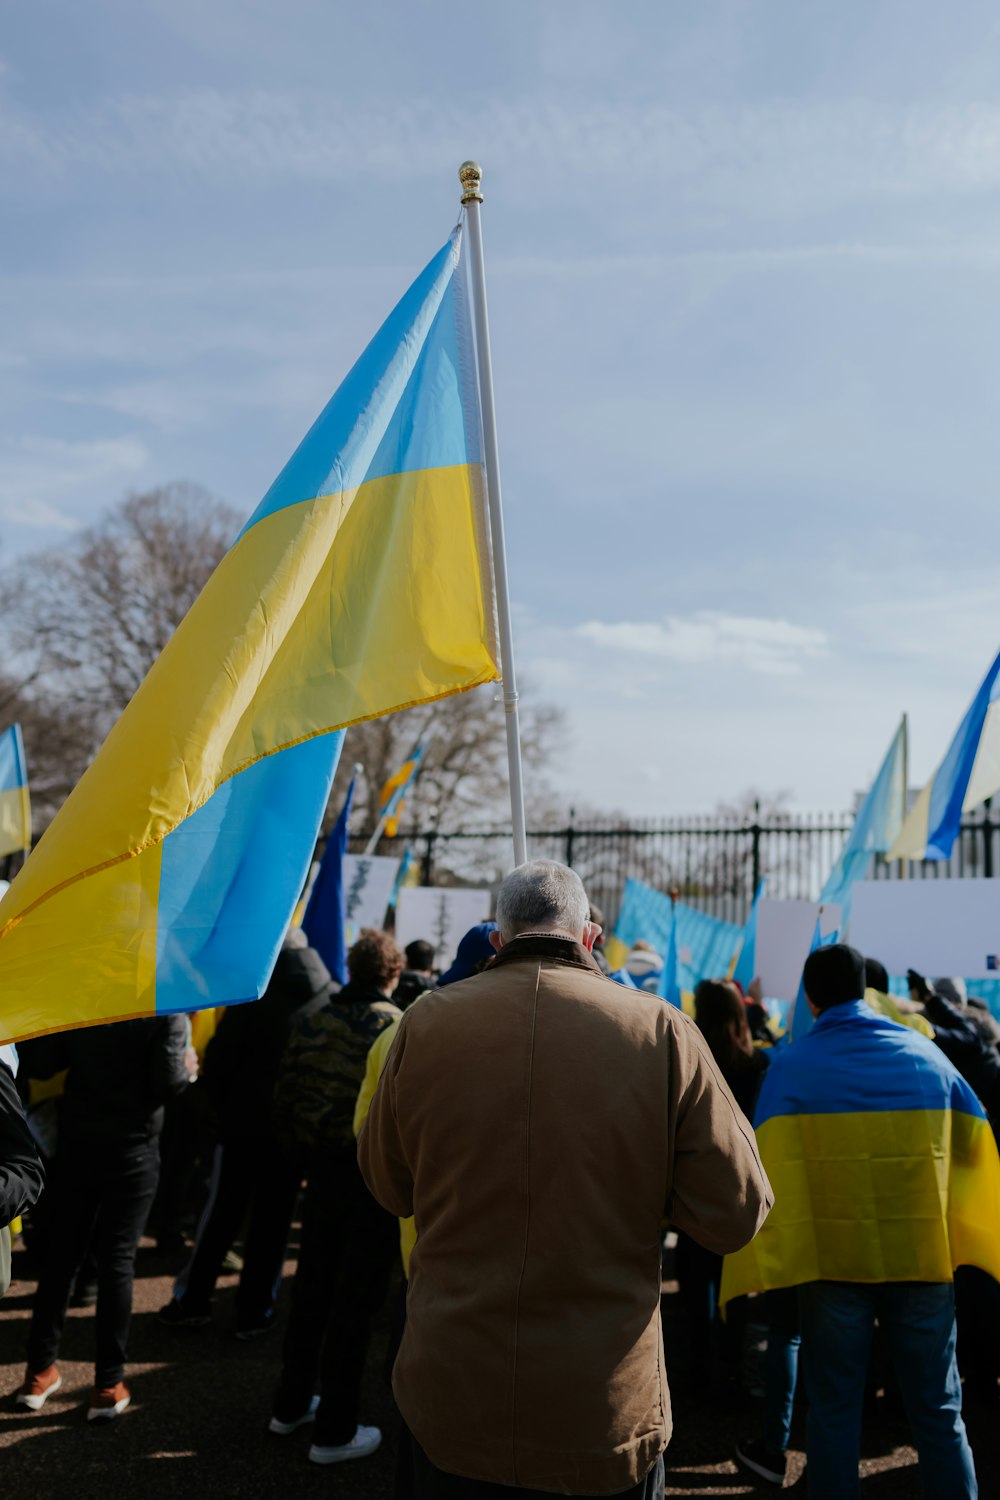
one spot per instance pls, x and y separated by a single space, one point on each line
713 863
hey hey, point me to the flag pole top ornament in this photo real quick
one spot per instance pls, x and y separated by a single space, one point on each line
470 175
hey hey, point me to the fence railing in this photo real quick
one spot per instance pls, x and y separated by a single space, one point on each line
714 863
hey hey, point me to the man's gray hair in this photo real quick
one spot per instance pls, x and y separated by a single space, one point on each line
541 895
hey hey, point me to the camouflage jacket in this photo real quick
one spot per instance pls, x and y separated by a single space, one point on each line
322 1068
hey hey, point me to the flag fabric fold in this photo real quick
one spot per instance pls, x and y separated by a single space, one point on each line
15 803
969 773
361 584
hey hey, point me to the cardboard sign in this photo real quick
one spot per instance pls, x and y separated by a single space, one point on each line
784 936
441 915
938 927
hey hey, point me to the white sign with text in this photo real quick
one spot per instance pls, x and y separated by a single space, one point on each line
441 915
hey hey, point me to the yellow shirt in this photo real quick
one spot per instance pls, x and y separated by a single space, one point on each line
885 1005
377 1054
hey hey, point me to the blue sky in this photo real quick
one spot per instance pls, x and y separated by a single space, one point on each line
744 266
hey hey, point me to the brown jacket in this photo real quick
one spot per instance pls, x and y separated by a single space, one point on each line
540 1121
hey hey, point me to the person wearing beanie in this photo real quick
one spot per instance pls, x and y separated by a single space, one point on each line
472 954
886 1179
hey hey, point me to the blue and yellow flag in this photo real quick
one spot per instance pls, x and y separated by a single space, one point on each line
396 790
969 773
360 585
882 1161
15 805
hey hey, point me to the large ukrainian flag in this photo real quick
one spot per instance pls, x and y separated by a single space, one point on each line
15 805
882 1161
361 584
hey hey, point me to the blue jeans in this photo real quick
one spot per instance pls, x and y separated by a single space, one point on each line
918 1319
781 1366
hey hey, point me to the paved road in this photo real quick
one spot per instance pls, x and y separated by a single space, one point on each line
201 1402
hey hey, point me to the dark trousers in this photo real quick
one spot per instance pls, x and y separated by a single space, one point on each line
349 1245
99 1196
248 1176
434 1484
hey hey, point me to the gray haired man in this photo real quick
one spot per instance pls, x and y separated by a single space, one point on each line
541 1122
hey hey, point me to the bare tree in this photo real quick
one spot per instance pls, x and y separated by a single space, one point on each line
463 778
84 622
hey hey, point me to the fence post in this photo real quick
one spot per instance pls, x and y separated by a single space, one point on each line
988 826
755 832
428 870
570 837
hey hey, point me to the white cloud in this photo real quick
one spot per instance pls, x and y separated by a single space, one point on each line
45 482
774 647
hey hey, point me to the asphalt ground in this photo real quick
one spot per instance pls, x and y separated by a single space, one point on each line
201 1401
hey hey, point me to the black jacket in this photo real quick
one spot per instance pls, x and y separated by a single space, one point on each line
241 1060
964 1045
21 1172
120 1076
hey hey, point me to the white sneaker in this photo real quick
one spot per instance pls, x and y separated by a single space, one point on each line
37 1388
284 1428
364 1441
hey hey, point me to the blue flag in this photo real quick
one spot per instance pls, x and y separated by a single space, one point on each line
325 920
744 970
878 821
669 987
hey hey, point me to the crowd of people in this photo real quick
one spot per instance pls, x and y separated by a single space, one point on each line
535 1144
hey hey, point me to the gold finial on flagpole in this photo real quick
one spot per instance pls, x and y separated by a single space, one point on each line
470 175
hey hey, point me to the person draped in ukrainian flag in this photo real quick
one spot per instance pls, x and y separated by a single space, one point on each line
886 1179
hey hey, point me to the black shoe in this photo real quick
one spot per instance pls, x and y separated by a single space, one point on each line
179 1314
255 1328
770 1466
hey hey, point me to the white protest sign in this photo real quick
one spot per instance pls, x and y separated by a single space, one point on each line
368 883
784 936
441 915
934 926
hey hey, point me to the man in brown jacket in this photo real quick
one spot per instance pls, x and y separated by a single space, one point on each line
540 1121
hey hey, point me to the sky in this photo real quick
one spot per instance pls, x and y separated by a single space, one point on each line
744 283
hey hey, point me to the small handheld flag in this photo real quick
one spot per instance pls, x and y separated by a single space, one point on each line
15 804
396 790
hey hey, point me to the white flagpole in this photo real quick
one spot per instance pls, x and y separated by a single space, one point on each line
903 868
470 174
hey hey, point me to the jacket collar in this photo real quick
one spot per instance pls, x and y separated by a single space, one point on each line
558 950
844 1013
